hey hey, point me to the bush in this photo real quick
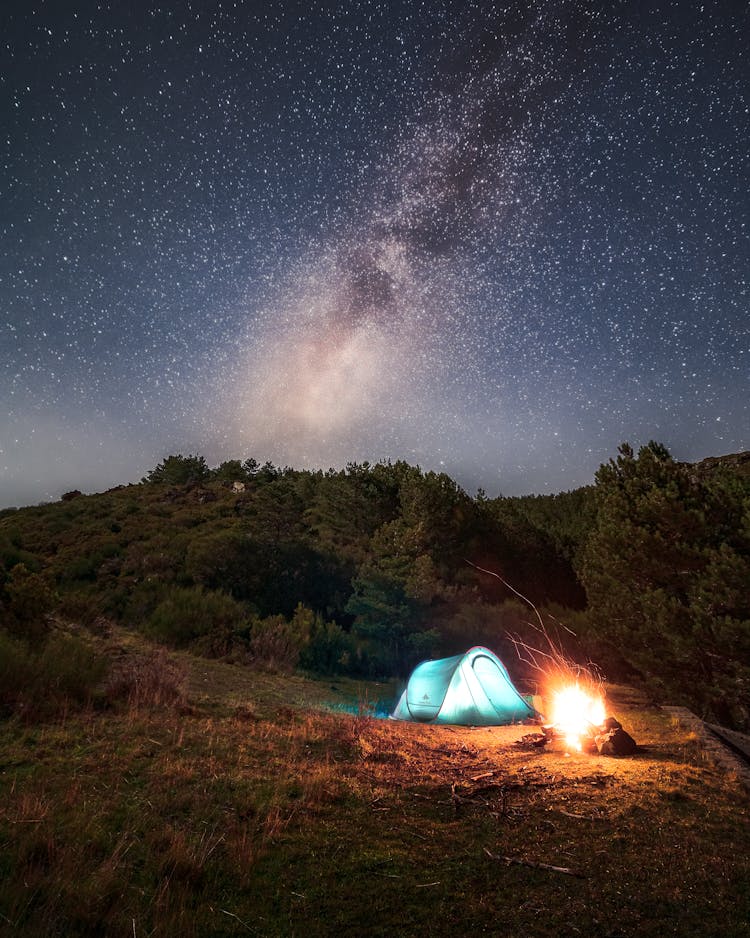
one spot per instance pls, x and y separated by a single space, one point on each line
28 601
274 644
16 671
36 683
153 680
190 613
81 608
179 470
329 650
69 669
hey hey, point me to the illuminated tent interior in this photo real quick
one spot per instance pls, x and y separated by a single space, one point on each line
473 689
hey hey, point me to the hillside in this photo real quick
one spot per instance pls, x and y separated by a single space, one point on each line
365 571
190 670
248 805
352 547
738 463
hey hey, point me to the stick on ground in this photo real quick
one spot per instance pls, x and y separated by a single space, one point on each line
535 865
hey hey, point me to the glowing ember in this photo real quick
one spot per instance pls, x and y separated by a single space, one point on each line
575 711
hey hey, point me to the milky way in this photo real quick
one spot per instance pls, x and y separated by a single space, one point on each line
496 241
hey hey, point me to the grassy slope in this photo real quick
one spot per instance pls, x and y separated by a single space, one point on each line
254 812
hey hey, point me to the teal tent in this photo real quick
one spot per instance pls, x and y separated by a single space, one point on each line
473 689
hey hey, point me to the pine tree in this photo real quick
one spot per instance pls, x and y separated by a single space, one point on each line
663 572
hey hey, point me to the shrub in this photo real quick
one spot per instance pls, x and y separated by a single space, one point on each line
153 680
69 669
45 682
224 560
188 613
81 608
329 650
179 470
12 553
29 599
275 644
16 671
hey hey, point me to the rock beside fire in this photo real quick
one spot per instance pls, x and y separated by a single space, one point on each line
615 742
609 739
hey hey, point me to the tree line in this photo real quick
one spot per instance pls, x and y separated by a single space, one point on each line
368 569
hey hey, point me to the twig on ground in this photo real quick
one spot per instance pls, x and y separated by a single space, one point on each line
519 861
580 817
232 915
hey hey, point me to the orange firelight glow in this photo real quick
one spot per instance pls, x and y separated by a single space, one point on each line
575 711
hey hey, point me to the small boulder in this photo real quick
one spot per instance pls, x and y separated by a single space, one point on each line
616 742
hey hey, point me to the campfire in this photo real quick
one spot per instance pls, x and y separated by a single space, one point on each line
578 718
576 712
575 703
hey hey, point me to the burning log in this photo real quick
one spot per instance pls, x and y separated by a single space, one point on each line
607 738
533 740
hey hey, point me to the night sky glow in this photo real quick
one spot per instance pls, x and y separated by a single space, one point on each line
495 240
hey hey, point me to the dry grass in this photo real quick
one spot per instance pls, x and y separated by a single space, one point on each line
153 679
243 815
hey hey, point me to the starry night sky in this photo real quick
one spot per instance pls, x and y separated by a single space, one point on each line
494 240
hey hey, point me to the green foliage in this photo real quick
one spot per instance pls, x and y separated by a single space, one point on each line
345 509
275 510
80 607
28 599
179 470
306 640
12 553
275 643
376 555
387 620
666 572
330 650
230 471
223 559
43 681
16 671
189 613
69 668
538 541
84 566
488 624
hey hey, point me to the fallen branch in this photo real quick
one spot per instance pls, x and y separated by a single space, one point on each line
519 861
232 915
579 817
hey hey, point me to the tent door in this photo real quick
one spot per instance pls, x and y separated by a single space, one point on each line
495 685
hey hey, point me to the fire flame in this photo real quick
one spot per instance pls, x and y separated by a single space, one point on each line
575 711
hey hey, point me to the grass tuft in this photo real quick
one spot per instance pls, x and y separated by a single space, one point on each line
149 680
